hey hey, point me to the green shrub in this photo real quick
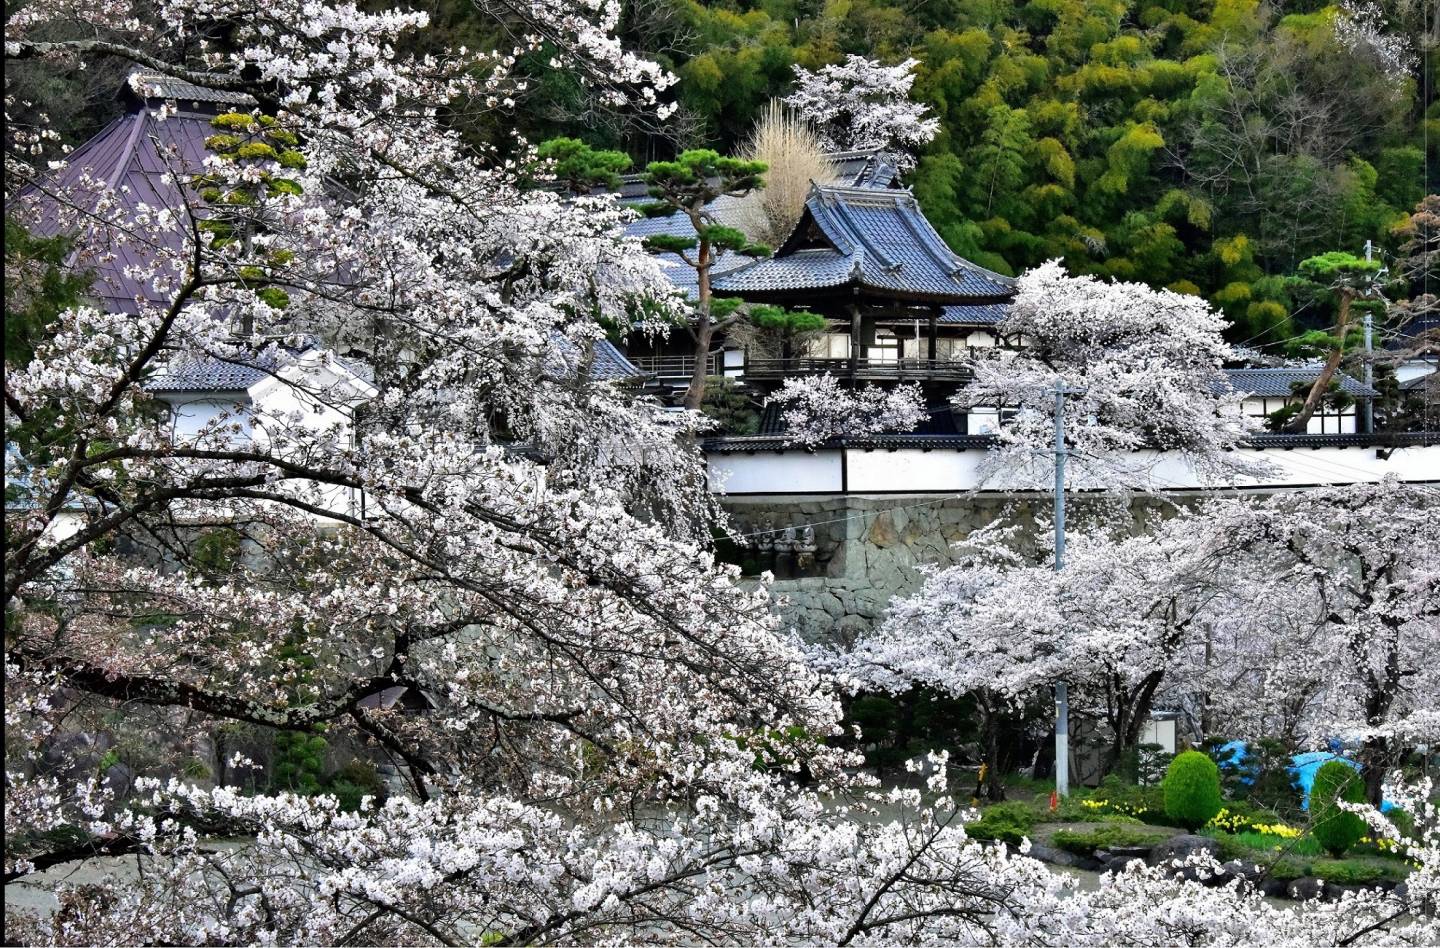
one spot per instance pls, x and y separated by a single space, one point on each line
1120 797
355 781
1104 836
1005 822
1336 829
1272 784
1402 820
297 762
1350 872
1192 790
1270 843
1289 869
1230 846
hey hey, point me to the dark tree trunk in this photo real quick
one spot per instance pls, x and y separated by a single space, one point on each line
1327 374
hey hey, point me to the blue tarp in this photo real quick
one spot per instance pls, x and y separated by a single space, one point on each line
1232 754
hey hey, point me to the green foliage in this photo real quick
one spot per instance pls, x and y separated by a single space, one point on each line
1061 125
353 782
895 728
730 238
1191 789
784 320
1105 836
1338 268
1115 795
1270 843
1355 872
700 172
298 762
38 287
782 331
731 406
1004 822
1336 829
217 550
1143 764
582 168
776 748
669 243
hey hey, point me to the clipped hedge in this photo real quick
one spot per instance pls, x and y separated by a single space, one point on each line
1192 790
1336 829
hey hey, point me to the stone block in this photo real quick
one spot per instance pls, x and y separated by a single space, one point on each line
882 531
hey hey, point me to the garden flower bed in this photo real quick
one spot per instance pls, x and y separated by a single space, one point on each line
1102 828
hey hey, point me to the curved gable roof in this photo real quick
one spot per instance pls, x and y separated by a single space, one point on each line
880 241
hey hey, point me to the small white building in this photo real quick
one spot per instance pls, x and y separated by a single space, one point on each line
1268 390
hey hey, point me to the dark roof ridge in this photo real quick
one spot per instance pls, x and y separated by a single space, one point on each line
161 85
859 239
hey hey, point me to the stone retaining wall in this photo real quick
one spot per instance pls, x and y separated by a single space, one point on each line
869 549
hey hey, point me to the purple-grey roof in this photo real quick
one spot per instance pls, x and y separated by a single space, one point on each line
157 86
1281 382
874 239
137 157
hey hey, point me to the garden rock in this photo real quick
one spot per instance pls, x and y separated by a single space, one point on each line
1118 857
1238 869
1054 856
1334 891
119 779
1181 848
1274 888
1306 887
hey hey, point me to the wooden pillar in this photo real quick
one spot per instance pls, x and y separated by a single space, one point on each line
855 338
934 319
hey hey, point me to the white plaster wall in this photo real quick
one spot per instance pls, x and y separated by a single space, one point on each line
912 470
881 471
771 472
192 413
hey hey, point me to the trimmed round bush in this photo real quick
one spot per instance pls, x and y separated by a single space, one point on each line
1336 829
1192 790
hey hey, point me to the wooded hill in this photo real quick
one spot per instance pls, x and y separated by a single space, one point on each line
1204 145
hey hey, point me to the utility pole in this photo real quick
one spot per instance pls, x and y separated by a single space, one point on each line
1367 414
1062 691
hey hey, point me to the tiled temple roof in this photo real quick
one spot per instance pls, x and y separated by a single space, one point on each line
610 363
856 169
209 374
1281 382
130 159
982 314
873 239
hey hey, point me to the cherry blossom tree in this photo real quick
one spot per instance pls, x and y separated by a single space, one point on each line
1364 562
818 408
479 567
862 103
1114 623
1314 614
1144 367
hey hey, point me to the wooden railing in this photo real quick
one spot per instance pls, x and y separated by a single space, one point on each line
859 368
677 366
